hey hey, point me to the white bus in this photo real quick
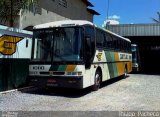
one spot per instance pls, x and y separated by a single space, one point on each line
135 58
77 54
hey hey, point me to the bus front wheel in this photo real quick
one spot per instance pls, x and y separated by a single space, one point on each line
97 81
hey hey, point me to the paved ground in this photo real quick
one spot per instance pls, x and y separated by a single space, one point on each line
137 92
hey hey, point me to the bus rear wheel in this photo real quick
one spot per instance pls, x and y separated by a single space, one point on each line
97 81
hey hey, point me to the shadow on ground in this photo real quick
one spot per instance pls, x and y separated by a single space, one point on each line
67 92
148 72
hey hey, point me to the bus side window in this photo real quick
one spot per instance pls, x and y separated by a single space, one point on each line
119 44
123 45
109 43
115 42
100 36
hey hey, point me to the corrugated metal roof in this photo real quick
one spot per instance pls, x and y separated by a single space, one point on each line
135 29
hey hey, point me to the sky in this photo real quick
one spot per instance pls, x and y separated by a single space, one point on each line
126 11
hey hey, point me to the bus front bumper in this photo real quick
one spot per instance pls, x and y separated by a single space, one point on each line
57 81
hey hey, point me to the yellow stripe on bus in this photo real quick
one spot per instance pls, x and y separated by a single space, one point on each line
70 68
116 55
120 65
120 68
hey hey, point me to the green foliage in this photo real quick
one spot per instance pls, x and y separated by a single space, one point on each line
157 20
23 3
9 8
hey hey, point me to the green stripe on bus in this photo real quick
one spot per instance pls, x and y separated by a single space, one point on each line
111 66
62 68
109 56
54 68
111 70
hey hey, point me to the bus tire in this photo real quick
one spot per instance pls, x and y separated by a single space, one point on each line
97 81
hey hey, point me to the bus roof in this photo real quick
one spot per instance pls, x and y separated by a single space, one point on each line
63 23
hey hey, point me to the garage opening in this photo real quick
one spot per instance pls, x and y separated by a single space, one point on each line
149 47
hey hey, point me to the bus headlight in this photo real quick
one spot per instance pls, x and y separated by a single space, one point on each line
33 73
135 65
74 73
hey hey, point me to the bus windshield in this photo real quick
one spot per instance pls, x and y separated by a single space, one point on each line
134 53
58 44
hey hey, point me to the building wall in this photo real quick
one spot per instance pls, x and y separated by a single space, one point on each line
53 10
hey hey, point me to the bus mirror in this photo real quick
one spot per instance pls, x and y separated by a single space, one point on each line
27 43
87 51
87 65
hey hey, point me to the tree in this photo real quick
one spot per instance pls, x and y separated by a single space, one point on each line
11 8
157 20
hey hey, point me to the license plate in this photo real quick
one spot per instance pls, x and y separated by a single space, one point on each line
52 85
51 81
